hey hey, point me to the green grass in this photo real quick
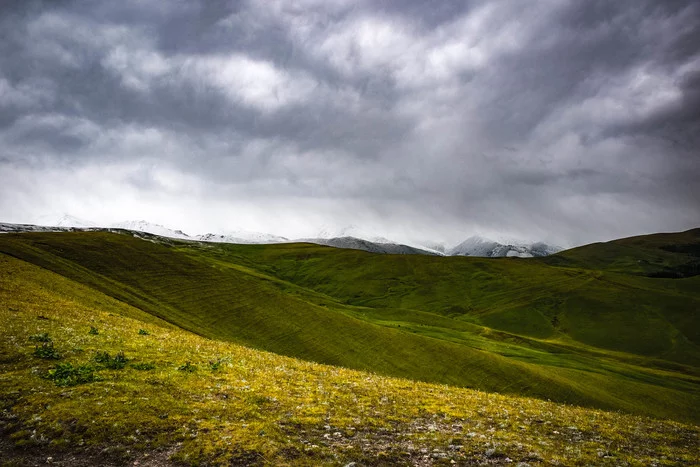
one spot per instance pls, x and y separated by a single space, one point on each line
649 255
521 296
259 408
569 334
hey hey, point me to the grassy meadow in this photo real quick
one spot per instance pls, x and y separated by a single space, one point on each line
149 350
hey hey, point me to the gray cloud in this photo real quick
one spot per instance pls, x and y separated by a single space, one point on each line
559 120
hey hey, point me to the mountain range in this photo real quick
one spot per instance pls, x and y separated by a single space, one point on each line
350 237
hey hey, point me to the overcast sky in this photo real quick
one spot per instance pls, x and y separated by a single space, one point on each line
567 121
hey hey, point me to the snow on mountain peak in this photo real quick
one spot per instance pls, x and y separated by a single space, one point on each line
242 236
148 227
349 236
65 220
351 230
479 246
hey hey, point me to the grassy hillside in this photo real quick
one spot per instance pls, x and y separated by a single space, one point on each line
572 335
672 255
128 388
650 317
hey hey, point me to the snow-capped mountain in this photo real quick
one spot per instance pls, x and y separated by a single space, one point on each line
148 227
478 246
242 236
353 231
65 220
354 243
437 248
6 227
358 238
350 236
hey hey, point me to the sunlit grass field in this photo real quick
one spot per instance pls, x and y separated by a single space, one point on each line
578 335
179 397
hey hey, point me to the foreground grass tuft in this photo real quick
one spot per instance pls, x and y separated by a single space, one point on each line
117 362
65 374
187 368
46 351
41 337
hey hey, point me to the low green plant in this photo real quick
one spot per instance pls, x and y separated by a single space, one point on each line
42 337
117 362
215 365
101 357
93 331
143 366
66 374
46 351
143 332
188 368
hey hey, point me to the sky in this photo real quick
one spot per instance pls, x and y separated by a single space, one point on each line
556 120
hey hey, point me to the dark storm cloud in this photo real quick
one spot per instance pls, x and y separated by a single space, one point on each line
573 120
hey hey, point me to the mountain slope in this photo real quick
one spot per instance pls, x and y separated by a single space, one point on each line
183 399
408 316
224 302
526 297
671 255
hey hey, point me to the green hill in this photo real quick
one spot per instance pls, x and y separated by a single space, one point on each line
564 332
672 255
87 379
651 317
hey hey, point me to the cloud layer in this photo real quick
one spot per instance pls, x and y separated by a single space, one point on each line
559 120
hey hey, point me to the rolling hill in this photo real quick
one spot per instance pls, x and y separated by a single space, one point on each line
663 255
562 332
86 379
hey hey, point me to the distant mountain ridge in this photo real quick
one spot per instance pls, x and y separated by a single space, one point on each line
354 243
352 237
478 246
66 220
351 231
148 227
242 236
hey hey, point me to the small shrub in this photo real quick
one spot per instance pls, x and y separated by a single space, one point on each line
65 374
215 365
46 351
143 366
93 331
143 332
102 357
117 362
188 367
43 337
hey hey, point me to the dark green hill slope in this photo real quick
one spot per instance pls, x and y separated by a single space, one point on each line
671 255
419 317
651 317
